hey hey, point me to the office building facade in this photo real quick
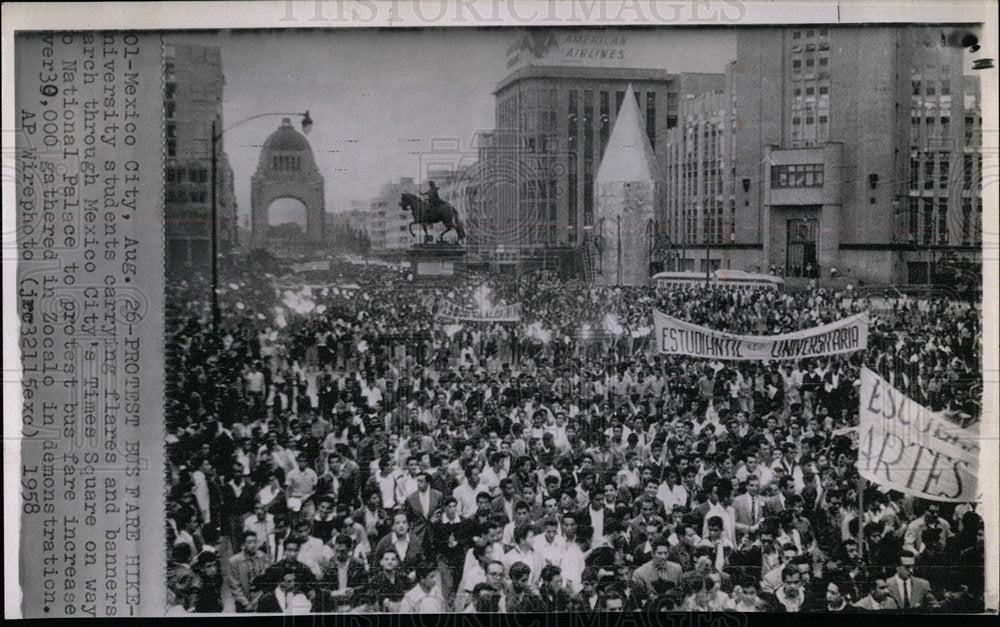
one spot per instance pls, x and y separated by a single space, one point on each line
856 149
192 100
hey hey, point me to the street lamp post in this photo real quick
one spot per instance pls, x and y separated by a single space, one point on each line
216 136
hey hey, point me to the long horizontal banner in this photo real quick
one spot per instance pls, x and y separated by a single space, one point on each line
497 313
677 337
906 447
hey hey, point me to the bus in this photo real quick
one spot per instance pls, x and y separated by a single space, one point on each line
751 280
726 278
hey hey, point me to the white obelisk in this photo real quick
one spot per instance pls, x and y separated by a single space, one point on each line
625 193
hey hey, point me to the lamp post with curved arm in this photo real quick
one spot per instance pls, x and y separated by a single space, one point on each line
216 136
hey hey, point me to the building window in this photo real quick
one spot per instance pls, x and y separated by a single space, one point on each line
928 221
823 119
916 87
651 118
796 64
967 171
946 88
943 170
823 90
605 118
798 91
930 90
810 34
823 61
929 173
942 230
802 175
966 221
796 34
588 157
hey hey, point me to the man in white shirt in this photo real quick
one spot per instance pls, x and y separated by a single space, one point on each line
386 480
313 553
671 492
200 479
719 504
522 552
300 482
467 491
573 561
262 524
521 517
407 484
425 597
493 473
549 546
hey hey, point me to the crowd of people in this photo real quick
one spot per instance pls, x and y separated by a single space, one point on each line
364 454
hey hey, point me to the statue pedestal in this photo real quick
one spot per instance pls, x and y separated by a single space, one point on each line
436 263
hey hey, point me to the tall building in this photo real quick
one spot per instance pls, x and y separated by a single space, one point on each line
388 224
552 125
192 100
699 207
856 148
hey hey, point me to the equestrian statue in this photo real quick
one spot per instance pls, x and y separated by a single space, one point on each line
431 211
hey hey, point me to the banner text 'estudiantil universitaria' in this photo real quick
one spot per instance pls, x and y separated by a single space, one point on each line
677 337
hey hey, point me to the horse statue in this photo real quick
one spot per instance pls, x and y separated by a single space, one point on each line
424 215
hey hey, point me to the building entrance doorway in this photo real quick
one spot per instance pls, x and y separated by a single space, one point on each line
801 257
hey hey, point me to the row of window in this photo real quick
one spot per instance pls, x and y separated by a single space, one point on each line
286 163
810 62
931 88
810 33
809 119
801 175
931 222
971 164
186 175
186 195
811 91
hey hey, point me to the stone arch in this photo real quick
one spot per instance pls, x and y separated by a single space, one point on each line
287 169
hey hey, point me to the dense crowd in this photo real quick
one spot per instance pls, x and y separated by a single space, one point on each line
362 454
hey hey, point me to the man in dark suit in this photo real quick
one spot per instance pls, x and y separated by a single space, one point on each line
345 575
503 505
776 504
909 592
386 587
403 542
647 516
421 505
289 591
238 497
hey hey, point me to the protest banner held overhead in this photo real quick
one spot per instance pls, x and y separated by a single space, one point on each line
905 446
677 337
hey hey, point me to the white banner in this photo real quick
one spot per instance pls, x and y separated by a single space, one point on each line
676 337
496 313
907 447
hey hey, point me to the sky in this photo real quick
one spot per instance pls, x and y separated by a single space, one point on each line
384 102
